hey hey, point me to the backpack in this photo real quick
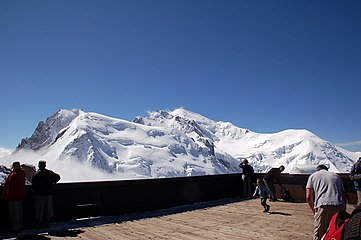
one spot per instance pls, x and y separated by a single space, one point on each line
353 228
337 226
286 195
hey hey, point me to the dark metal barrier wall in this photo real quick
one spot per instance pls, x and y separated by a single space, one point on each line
75 200
79 200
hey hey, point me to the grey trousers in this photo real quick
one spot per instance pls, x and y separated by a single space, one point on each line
43 206
16 214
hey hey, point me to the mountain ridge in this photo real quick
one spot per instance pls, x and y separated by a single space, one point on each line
174 143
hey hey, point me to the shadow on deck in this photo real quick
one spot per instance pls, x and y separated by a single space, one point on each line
72 228
234 218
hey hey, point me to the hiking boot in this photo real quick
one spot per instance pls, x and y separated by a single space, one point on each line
267 208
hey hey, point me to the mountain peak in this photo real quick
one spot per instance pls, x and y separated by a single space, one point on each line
189 115
46 132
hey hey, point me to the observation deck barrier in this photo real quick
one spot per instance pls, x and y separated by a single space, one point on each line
92 199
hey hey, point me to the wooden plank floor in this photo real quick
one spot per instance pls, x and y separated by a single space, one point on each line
236 219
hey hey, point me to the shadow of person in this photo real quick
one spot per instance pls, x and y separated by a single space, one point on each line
280 213
66 233
35 237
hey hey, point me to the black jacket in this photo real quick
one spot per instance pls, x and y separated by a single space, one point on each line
43 181
273 175
247 170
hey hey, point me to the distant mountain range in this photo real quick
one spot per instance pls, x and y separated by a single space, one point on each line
169 144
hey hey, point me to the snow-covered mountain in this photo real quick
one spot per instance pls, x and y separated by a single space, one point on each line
168 144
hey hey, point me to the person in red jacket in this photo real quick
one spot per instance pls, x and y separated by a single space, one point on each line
13 194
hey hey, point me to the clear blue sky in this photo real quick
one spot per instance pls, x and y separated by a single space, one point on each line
263 65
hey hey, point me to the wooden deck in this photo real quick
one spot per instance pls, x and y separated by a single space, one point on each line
226 219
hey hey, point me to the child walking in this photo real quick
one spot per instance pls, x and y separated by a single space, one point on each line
261 191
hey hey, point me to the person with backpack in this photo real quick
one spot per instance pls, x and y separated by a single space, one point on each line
247 172
325 195
273 176
355 176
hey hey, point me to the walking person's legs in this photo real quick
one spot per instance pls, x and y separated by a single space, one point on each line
265 205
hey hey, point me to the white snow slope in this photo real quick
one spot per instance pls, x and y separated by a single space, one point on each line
89 146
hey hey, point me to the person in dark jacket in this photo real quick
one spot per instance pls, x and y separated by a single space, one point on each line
247 172
273 176
43 181
355 175
13 194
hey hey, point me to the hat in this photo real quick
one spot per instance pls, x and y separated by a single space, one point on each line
245 161
16 165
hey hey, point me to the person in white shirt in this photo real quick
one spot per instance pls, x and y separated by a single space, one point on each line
325 194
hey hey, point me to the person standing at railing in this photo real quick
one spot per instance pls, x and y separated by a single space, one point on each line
43 181
325 194
355 175
13 194
247 172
